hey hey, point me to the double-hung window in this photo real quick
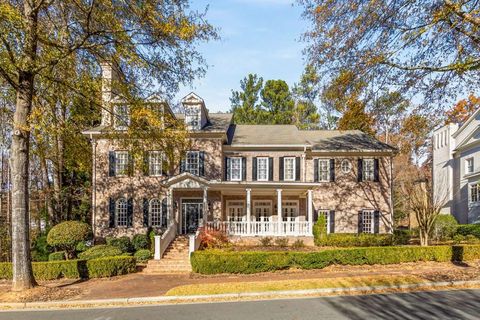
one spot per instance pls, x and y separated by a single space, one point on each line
262 169
192 118
469 165
155 163
121 213
192 163
121 117
236 169
326 215
289 169
474 191
367 221
368 169
121 163
155 209
323 170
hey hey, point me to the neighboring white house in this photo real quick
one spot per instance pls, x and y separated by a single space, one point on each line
456 169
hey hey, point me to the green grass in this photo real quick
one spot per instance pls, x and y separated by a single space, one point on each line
279 285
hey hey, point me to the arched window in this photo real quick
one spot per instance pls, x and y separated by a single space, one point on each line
346 166
121 212
156 212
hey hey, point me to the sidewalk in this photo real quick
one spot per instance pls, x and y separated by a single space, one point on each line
144 286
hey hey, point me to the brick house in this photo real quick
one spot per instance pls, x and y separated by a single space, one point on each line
248 180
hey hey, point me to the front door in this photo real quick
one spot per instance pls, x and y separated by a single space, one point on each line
192 212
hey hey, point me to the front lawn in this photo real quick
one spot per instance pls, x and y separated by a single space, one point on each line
304 284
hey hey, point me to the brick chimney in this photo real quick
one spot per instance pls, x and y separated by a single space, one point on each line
108 76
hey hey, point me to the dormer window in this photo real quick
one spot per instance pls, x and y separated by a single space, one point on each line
192 118
121 117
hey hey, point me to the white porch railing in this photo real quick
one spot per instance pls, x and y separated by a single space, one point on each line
263 228
162 242
193 242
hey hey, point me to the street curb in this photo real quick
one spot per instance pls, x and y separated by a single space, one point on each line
195 298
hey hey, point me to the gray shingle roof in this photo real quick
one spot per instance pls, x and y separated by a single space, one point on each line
265 135
219 122
344 140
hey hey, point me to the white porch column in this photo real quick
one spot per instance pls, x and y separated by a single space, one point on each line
310 210
249 211
279 211
205 206
170 216
157 248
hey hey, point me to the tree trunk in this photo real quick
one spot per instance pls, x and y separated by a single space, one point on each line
22 266
47 190
423 238
21 260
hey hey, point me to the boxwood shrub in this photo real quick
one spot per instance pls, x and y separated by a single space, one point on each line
215 261
56 256
143 255
100 251
111 266
354 240
469 229
76 269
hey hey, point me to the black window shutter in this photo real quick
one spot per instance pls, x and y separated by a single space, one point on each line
332 170
254 168
129 212
315 170
315 215
270 169
376 221
146 166
201 170
332 221
145 212
297 168
111 164
130 164
376 176
360 222
280 168
244 168
227 168
111 211
360 170
164 212
182 166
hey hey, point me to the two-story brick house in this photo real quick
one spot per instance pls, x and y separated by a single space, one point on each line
249 180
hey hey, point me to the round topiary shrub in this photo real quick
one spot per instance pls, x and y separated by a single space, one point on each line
57 256
67 235
100 251
143 255
140 241
123 243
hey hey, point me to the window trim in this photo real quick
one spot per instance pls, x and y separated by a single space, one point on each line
267 168
239 171
470 186
326 213
117 212
372 221
346 161
364 167
467 167
189 113
116 118
117 174
285 168
320 172
150 213
229 204
197 164
150 164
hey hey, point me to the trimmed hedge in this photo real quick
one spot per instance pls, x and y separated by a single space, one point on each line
75 269
469 229
215 261
100 251
57 256
143 255
355 240
111 266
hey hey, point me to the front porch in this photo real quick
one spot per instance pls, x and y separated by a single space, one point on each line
242 210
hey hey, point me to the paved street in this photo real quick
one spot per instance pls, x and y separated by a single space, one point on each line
463 304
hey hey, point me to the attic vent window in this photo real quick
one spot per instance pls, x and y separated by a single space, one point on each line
192 118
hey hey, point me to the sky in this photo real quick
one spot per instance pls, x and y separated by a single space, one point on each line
257 36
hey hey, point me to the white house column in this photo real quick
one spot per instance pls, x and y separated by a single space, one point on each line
249 211
310 209
170 216
279 211
205 206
